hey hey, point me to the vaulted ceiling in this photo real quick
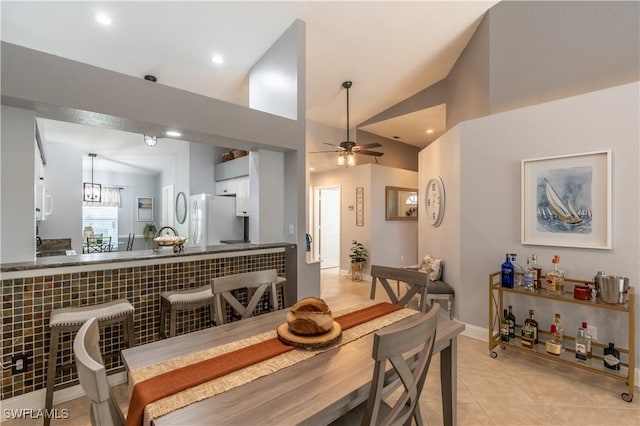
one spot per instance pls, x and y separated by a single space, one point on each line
390 50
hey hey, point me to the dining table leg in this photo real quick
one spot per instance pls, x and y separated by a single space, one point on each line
449 382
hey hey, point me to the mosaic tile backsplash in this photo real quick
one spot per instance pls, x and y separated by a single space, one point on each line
27 303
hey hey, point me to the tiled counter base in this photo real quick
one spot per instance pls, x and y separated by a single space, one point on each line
28 300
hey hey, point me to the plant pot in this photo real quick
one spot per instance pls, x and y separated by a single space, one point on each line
356 271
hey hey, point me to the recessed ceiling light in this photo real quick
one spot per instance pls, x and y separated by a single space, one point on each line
429 131
173 133
217 59
103 19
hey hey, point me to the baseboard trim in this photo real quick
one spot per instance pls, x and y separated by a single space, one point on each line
35 400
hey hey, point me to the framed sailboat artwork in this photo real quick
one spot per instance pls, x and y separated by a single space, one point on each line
566 200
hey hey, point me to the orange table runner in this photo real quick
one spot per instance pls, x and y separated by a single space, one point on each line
172 382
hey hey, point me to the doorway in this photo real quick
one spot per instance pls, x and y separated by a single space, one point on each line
327 226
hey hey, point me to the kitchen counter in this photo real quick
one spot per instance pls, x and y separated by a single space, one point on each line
135 255
31 290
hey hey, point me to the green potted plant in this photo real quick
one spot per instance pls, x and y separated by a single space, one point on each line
149 231
358 256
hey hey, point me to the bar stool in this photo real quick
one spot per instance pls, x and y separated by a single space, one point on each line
70 320
183 300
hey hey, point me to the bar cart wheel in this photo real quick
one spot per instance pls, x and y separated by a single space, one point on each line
627 397
494 354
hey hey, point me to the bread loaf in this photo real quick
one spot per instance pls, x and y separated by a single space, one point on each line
309 317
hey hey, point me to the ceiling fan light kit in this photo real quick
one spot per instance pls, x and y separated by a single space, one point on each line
348 148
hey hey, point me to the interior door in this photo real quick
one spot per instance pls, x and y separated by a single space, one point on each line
329 227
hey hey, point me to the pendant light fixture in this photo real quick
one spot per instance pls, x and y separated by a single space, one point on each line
150 140
91 191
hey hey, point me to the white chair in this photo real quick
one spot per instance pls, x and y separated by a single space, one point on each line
256 283
416 284
408 346
71 319
93 376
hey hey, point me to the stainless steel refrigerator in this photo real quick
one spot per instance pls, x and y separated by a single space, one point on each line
213 218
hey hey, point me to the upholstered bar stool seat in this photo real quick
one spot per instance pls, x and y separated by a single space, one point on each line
183 300
439 290
71 319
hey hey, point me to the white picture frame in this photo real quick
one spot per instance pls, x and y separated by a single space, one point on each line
144 206
566 200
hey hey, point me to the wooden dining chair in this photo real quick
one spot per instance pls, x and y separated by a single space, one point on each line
92 375
408 346
417 283
256 283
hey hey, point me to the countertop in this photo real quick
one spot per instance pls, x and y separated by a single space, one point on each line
126 256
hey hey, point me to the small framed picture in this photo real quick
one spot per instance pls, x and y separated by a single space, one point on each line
360 206
145 209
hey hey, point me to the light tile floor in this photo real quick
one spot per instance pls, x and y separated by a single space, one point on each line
513 389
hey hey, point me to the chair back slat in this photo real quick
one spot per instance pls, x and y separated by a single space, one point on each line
408 346
416 280
255 282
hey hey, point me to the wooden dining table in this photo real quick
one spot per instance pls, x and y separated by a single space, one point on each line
315 391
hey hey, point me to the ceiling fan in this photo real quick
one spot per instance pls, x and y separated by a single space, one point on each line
347 149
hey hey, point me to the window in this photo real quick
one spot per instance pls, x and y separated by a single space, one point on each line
103 220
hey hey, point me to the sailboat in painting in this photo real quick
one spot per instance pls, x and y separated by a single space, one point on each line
563 212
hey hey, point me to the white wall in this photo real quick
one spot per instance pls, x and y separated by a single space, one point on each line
489 156
18 222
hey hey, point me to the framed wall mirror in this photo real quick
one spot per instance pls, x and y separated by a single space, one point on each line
401 203
181 207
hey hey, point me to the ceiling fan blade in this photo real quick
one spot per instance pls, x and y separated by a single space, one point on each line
334 145
367 146
367 152
321 152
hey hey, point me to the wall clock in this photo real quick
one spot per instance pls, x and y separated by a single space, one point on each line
434 201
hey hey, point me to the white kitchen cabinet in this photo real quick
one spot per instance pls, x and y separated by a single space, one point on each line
226 187
242 196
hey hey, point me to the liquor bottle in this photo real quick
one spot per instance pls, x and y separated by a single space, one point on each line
504 327
587 335
537 278
528 277
530 331
554 344
518 271
581 345
512 323
555 278
559 329
507 273
612 357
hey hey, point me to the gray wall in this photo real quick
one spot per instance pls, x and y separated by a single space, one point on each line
528 52
484 204
386 241
542 51
18 148
63 176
